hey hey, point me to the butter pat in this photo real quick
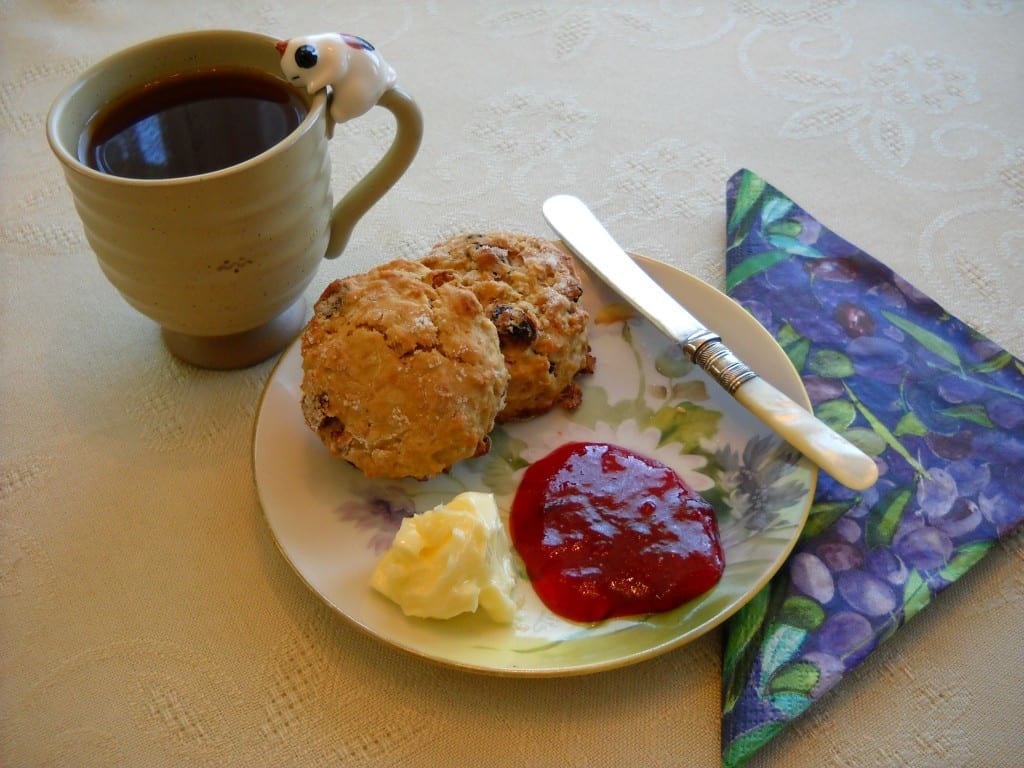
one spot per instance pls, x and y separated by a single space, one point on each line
452 559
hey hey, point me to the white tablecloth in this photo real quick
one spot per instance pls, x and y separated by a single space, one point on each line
146 616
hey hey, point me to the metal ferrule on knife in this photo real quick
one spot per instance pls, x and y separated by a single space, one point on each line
589 240
708 352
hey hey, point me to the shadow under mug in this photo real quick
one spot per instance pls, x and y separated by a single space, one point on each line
220 260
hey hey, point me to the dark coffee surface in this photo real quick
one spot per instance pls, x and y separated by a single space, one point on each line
191 124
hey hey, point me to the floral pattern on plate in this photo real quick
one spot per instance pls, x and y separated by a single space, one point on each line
332 523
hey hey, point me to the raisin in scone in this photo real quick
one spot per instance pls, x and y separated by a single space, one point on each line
530 290
402 372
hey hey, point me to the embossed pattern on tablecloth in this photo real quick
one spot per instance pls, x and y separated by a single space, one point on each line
146 617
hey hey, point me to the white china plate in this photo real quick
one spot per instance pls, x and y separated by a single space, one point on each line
332 524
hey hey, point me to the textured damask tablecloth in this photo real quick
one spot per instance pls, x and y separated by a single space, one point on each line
146 617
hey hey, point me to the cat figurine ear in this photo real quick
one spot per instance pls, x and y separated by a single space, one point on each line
350 65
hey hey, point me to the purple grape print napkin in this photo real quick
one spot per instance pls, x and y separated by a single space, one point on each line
936 404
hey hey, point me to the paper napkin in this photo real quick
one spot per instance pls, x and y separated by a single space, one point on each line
940 408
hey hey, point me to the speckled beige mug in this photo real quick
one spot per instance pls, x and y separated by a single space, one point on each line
220 260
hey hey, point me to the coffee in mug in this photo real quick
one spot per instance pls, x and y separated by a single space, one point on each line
191 123
201 174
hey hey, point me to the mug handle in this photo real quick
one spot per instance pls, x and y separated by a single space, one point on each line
371 188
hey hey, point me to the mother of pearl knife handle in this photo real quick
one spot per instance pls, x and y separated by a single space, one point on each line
590 241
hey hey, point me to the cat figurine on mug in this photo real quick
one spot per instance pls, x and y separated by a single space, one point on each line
357 74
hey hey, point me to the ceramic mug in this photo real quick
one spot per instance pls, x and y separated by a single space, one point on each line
220 259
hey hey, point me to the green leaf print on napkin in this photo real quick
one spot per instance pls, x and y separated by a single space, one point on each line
939 407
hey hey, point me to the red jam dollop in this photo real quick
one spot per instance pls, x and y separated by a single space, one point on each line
607 532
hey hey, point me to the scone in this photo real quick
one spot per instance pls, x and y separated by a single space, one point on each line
402 372
530 290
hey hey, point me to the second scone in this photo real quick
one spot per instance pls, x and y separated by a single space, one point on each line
402 373
529 289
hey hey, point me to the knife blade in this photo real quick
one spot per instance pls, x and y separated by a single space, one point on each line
586 237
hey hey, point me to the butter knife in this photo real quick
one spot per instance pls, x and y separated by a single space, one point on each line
589 240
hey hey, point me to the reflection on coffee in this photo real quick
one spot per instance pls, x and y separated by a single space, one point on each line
190 124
